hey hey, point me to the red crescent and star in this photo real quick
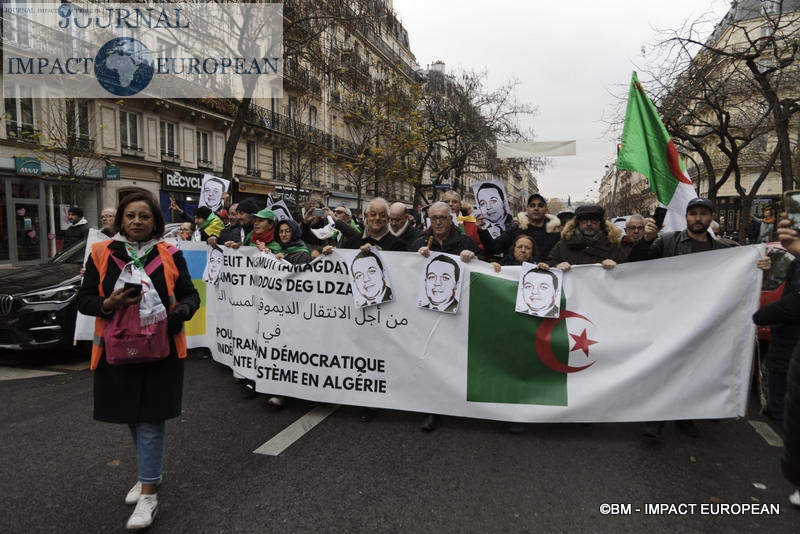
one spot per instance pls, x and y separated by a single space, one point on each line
545 351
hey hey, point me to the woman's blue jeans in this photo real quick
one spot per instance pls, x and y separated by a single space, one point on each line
148 438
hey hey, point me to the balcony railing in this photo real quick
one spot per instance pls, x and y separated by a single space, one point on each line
24 133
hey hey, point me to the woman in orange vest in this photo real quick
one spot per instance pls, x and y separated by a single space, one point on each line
141 395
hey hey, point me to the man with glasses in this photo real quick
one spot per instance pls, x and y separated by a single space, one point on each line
446 238
107 221
443 236
587 239
376 230
343 213
400 225
634 230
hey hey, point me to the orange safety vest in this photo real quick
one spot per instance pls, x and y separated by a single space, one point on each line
100 256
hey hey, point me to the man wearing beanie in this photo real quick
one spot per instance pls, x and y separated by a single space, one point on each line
78 228
246 215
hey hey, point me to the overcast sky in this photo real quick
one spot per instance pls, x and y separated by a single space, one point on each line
572 58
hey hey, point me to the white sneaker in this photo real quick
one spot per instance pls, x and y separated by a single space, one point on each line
794 498
133 494
144 513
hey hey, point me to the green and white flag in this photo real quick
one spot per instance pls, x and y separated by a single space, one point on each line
648 150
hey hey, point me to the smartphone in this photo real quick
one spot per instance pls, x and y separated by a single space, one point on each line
791 205
318 212
137 289
659 215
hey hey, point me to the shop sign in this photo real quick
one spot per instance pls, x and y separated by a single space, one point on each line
184 181
112 172
27 166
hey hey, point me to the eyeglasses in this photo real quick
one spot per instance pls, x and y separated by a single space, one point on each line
439 218
106 216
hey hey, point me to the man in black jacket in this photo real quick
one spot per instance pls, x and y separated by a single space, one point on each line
78 227
696 238
400 225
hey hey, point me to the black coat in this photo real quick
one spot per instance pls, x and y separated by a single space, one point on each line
454 243
146 392
791 421
73 234
783 316
388 242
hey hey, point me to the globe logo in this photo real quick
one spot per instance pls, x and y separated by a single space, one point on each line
124 66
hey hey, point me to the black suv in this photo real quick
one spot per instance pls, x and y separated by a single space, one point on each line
37 302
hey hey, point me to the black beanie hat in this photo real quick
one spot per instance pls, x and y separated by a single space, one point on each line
76 210
203 212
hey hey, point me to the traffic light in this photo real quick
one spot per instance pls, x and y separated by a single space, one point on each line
434 178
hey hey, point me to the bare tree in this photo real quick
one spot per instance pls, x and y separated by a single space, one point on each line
463 120
725 97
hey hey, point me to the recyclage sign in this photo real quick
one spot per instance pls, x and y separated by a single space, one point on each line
167 50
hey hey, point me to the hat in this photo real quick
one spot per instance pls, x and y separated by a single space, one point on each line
247 205
267 214
537 195
590 211
203 212
76 210
700 201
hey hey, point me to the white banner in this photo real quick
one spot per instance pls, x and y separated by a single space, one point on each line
544 149
657 340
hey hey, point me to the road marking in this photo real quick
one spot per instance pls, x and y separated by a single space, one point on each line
14 373
283 440
770 436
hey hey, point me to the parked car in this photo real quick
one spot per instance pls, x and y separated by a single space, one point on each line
37 302
771 290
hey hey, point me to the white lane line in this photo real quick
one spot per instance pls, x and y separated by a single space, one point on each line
13 373
283 440
770 436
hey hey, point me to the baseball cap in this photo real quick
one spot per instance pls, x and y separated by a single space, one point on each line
537 196
267 214
700 201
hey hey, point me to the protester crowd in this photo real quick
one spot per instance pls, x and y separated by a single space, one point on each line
451 226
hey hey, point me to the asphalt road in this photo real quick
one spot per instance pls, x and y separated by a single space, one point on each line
63 472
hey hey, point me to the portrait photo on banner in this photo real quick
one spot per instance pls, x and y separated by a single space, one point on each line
280 209
213 267
440 288
369 278
491 202
211 192
539 291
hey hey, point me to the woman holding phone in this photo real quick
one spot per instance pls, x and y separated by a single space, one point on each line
141 395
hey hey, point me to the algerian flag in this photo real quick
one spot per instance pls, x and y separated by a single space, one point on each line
504 368
648 150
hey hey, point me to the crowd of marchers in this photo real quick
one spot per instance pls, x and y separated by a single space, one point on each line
534 236
142 259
